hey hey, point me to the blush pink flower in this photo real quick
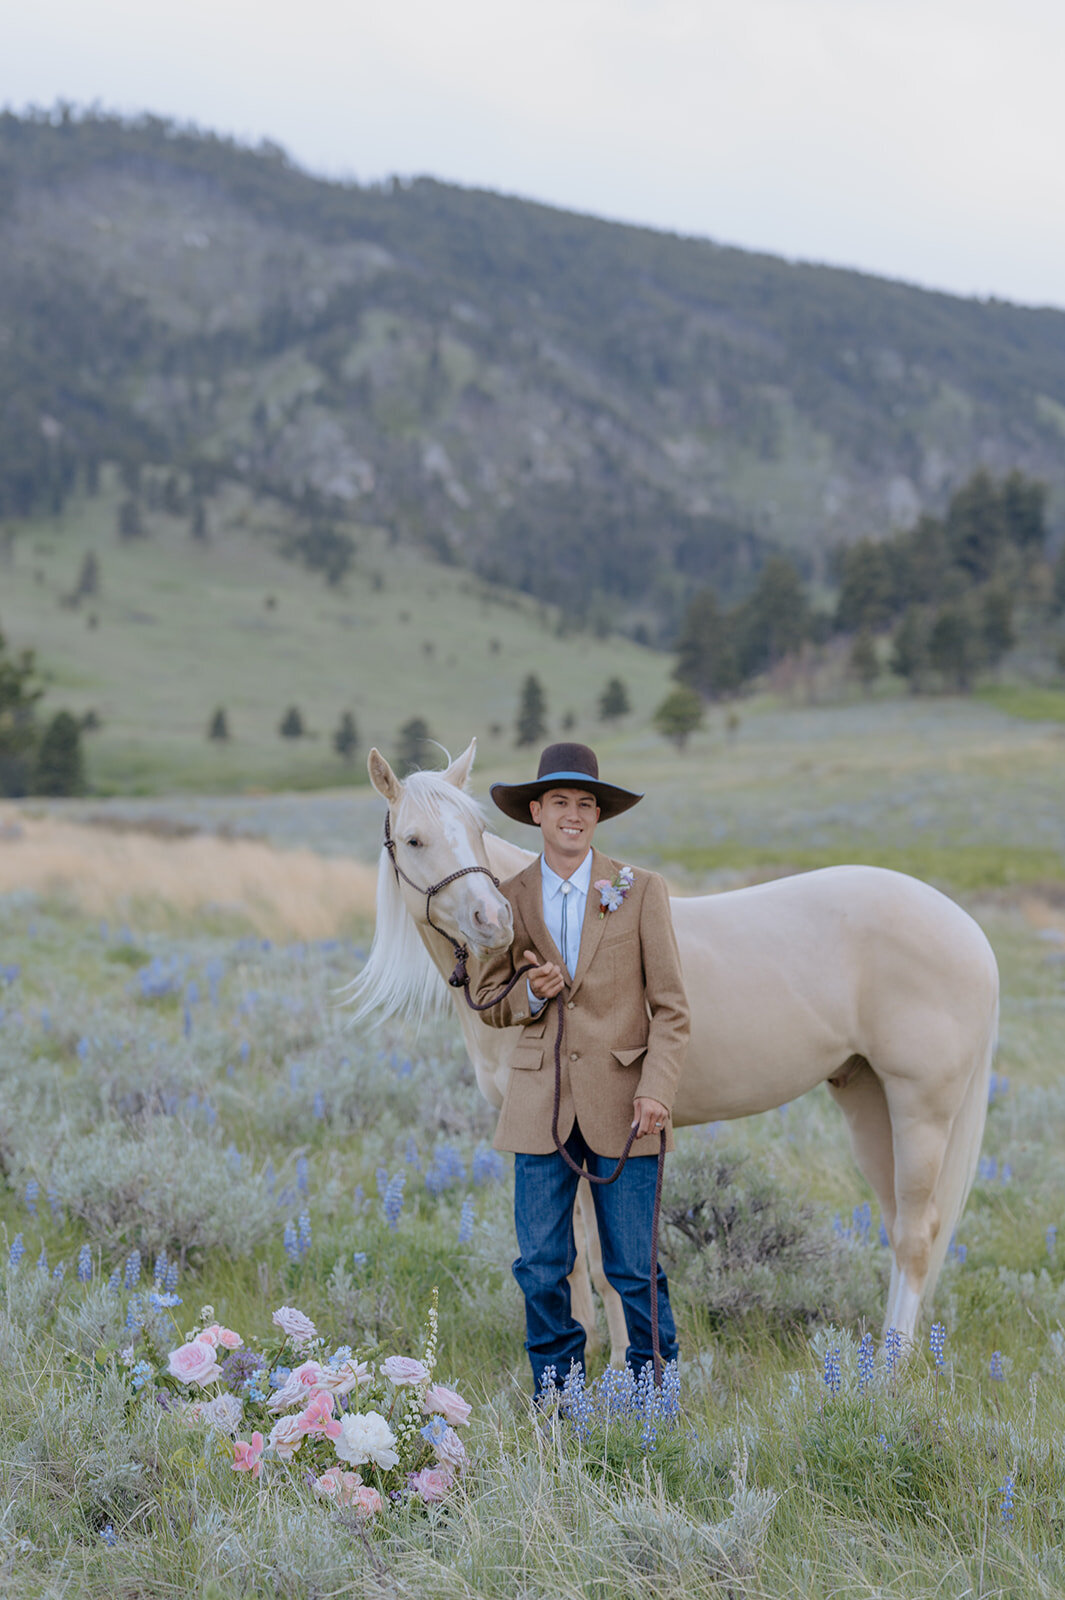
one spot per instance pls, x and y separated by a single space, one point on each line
246 1457
365 1502
432 1484
194 1363
301 1382
318 1417
229 1339
286 1436
337 1485
404 1370
451 1406
349 1375
451 1451
294 1325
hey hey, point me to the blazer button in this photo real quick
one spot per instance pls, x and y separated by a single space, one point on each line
571 1005
574 1055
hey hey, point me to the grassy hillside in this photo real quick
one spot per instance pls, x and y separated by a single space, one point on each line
183 627
579 409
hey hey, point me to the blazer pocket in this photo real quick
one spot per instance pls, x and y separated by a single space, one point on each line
528 1057
627 1058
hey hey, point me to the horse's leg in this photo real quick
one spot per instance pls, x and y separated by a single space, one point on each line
588 1237
580 1279
860 1096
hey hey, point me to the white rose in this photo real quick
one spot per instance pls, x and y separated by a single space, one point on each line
294 1325
366 1436
451 1450
350 1375
224 1412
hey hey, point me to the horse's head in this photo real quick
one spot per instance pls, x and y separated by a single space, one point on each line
437 829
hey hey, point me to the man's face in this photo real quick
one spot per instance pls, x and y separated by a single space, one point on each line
567 819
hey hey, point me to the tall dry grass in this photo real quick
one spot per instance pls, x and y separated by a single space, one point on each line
109 872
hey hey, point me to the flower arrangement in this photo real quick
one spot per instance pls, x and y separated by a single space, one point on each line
612 895
362 1436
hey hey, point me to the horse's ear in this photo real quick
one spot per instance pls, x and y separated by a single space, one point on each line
459 771
382 777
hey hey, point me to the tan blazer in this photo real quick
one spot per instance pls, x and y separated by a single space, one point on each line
626 1017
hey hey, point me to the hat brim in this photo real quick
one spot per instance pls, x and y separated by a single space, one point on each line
513 798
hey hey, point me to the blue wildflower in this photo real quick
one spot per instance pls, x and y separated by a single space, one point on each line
33 1189
358 1258
410 1153
292 1241
82 1048
1006 1503
866 1362
163 1302
132 1275
303 1171
381 1177
487 1166
140 1373
279 1376
576 1403
937 1338
884 1240
393 1199
318 1106
108 1535
466 1221
862 1222
996 1368
170 1282
59 1271
831 1371
42 1260
18 1250
114 1282
434 1431
1052 1239
85 1264
304 1233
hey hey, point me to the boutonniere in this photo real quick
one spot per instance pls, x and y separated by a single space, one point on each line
612 895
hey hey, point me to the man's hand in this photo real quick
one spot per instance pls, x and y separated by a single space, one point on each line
649 1116
546 979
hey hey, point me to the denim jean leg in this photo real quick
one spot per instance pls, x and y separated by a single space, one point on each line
544 1192
625 1211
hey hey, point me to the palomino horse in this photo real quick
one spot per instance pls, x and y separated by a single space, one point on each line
866 980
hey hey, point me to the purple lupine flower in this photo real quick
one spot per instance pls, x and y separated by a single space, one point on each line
393 1199
996 1368
937 1338
85 1264
831 1371
1005 1505
132 1274
18 1250
466 1221
866 1362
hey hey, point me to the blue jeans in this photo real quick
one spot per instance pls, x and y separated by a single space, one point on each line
544 1192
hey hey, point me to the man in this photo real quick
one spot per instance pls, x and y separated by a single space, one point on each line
601 935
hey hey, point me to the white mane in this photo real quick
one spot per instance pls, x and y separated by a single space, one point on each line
399 978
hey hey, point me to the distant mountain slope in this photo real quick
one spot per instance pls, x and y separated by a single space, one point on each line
599 413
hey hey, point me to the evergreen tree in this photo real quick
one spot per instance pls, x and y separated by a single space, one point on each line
19 694
130 522
198 522
976 527
996 623
953 646
614 701
1024 505
58 769
89 578
772 622
706 653
219 725
909 652
679 715
864 662
866 595
415 745
532 712
291 726
345 737
1057 596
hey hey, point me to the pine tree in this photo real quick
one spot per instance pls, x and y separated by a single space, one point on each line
415 744
19 694
89 577
996 623
345 737
219 725
909 648
130 522
679 715
292 724
864 662
532 712
614 701
58 768
953 646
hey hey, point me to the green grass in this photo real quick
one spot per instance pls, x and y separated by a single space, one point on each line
181 629
1025 700
964 868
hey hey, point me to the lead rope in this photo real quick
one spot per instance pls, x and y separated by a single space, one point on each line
459 979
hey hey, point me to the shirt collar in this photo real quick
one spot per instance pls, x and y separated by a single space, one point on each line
580 880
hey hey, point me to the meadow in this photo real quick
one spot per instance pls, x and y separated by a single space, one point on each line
187 1110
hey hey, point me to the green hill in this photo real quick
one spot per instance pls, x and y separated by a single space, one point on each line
600 415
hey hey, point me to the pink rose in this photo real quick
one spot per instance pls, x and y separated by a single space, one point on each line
231 1340
432 1484
365 1502
301 1382
338 1486
246 1456
286 1436
404 1369
294 1325
194 1363
210 1335
451 1406
318 1417
350 1375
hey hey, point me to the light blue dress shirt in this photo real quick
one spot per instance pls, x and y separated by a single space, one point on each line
574 891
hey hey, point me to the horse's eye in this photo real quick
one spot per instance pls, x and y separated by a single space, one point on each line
414 842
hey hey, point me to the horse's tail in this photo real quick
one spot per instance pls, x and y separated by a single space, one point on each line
963 1146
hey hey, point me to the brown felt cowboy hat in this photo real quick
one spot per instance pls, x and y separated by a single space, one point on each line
564 766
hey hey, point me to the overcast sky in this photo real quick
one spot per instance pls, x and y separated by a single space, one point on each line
918 139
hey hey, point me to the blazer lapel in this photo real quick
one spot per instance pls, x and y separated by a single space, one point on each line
593 926
530 904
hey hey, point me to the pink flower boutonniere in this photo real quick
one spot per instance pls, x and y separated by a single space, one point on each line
612 895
